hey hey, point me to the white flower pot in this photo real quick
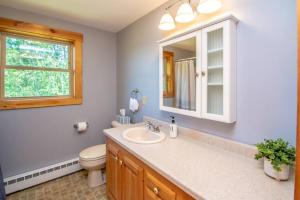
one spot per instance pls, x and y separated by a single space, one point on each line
270 171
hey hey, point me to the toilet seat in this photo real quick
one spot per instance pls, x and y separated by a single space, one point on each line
93 153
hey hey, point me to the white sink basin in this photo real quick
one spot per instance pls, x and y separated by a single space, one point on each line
142 135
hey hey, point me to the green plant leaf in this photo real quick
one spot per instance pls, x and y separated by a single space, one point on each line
278 151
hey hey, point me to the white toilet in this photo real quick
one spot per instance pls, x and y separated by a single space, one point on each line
93 160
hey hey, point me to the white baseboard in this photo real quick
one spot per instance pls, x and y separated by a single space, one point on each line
35 177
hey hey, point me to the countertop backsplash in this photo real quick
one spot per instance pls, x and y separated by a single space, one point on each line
226 144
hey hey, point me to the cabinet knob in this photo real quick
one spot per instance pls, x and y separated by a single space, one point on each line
155 190
196 75
116 157
121 162
203 73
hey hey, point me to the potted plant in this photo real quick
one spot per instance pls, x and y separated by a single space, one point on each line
278 157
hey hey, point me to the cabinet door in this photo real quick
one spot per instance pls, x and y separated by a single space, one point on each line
156 190
113 173
219 72
132 179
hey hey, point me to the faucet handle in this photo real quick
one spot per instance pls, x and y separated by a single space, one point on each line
147 124
157 129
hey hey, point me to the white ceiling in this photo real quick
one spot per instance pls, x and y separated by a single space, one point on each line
110 15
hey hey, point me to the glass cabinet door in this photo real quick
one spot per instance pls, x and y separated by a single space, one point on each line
217 72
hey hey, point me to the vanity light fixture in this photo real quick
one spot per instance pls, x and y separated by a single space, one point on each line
166 22
185 13
209 6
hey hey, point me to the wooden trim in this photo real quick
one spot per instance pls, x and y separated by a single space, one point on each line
297 167
78 70
37 103
30 29
38 68
2 62
25 29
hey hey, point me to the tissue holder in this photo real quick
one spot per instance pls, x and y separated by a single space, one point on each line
123 119
81 126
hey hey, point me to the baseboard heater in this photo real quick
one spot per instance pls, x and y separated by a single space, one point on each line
35 177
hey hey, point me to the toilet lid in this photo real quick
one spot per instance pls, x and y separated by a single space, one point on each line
93 152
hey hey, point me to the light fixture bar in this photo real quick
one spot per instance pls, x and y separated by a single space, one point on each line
174 3
185 12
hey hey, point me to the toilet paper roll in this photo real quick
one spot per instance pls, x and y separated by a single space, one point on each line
81 126
122 112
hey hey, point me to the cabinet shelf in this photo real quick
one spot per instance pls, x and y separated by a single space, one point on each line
214 50
215 84
215 67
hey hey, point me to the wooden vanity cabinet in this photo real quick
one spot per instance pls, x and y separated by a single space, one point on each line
128 178
113 170
124 175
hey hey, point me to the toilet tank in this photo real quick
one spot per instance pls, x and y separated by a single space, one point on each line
115 124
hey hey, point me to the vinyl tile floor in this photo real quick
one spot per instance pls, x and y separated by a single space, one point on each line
70 187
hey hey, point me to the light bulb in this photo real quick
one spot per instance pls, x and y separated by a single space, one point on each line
166 22
209 6
185 13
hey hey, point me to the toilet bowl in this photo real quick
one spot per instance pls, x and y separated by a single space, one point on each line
93 160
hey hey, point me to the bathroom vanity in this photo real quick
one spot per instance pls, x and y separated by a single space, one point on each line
195 165
128 178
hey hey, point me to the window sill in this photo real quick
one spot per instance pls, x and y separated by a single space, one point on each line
38 103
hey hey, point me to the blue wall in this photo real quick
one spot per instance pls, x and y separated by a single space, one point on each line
266 70
266 85
35 138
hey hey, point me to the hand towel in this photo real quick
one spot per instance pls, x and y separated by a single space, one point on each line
133 104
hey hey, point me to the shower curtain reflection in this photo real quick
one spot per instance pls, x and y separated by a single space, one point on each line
185 79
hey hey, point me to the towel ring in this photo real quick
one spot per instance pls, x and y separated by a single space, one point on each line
135 94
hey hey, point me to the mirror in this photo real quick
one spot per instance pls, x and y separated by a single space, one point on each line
179 75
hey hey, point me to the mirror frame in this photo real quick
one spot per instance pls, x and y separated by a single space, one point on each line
197 112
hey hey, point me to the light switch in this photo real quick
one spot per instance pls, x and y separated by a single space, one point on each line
144 100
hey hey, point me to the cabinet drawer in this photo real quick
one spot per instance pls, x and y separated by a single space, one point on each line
153 187
150 195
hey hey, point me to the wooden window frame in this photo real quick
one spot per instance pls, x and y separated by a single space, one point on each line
170 57
24 29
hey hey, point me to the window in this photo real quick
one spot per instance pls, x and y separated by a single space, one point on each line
39 66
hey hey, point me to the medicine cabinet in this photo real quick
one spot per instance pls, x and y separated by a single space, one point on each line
198 72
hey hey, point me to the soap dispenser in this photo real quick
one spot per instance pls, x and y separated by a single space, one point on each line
173 128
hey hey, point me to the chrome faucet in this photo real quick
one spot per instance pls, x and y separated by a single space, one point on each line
150 126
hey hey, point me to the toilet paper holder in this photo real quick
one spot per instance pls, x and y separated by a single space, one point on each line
78 127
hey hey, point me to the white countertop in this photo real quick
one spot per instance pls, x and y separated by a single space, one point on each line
207 171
